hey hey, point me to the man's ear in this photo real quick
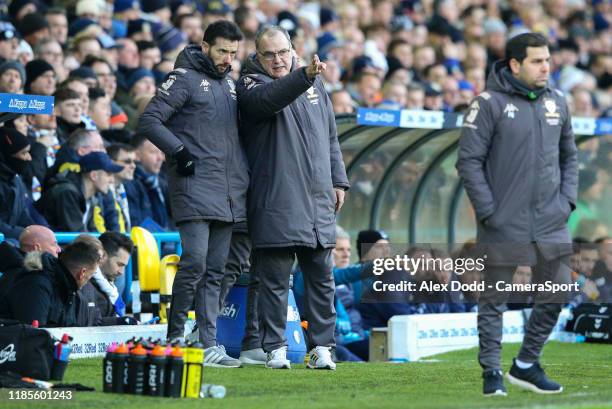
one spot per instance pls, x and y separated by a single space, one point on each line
515 66
205 47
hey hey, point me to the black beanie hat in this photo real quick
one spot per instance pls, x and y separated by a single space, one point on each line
367 238
35 69
32 23
12 141
151 6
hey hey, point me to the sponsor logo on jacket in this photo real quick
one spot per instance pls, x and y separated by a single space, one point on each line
510 110
313 97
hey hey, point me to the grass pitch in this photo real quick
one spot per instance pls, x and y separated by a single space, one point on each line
450 380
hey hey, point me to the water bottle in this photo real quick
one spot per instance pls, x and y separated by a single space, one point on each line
156 372
192 373
60 357
107 368
212 391
174 373
136 369
120 369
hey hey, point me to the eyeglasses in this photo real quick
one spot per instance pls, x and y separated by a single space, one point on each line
271 55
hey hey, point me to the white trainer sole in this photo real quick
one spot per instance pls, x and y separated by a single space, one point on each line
529 386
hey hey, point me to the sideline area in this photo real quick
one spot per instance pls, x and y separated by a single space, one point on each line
444 381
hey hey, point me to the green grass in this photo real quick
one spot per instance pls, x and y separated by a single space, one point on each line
450 380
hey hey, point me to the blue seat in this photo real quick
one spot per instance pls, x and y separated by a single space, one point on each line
232 319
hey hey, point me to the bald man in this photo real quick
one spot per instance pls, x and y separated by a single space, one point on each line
38 238
32 238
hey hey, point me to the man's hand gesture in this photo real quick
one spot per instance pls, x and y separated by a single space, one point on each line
315 67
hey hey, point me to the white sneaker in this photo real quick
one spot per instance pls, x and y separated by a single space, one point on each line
277 359
216 357
320 358
255 356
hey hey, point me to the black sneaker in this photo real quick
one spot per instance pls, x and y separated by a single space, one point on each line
493 383
533 379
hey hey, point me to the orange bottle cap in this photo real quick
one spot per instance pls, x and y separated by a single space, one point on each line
138 350
158 350
122 349
177 352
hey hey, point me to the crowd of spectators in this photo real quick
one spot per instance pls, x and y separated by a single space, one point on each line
101 61
83 167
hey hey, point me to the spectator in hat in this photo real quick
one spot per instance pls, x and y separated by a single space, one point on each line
12 77
191 25
170 41
126 10
25 54
109 48
433 97
466 93
58 24
140 30
72 201
215 10
14 160
158 8
9 41
34 27
85 75
40 78
20 8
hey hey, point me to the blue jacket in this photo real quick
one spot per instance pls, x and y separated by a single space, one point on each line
145 202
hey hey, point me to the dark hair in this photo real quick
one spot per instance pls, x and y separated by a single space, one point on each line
241 14
95 93
138 139
79 254
396 43
114 149
224 29
55 10
516 47
145 45
64 94
113 241
90 60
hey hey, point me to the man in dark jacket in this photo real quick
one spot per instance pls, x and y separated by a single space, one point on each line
518 163
193 120
297 186
14 160
73 202
46 291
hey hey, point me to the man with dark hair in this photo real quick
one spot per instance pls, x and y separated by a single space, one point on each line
46 291
518 162
193 120
298 182
68 110
101 289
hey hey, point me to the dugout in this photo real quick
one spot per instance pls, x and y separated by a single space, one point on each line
401 165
